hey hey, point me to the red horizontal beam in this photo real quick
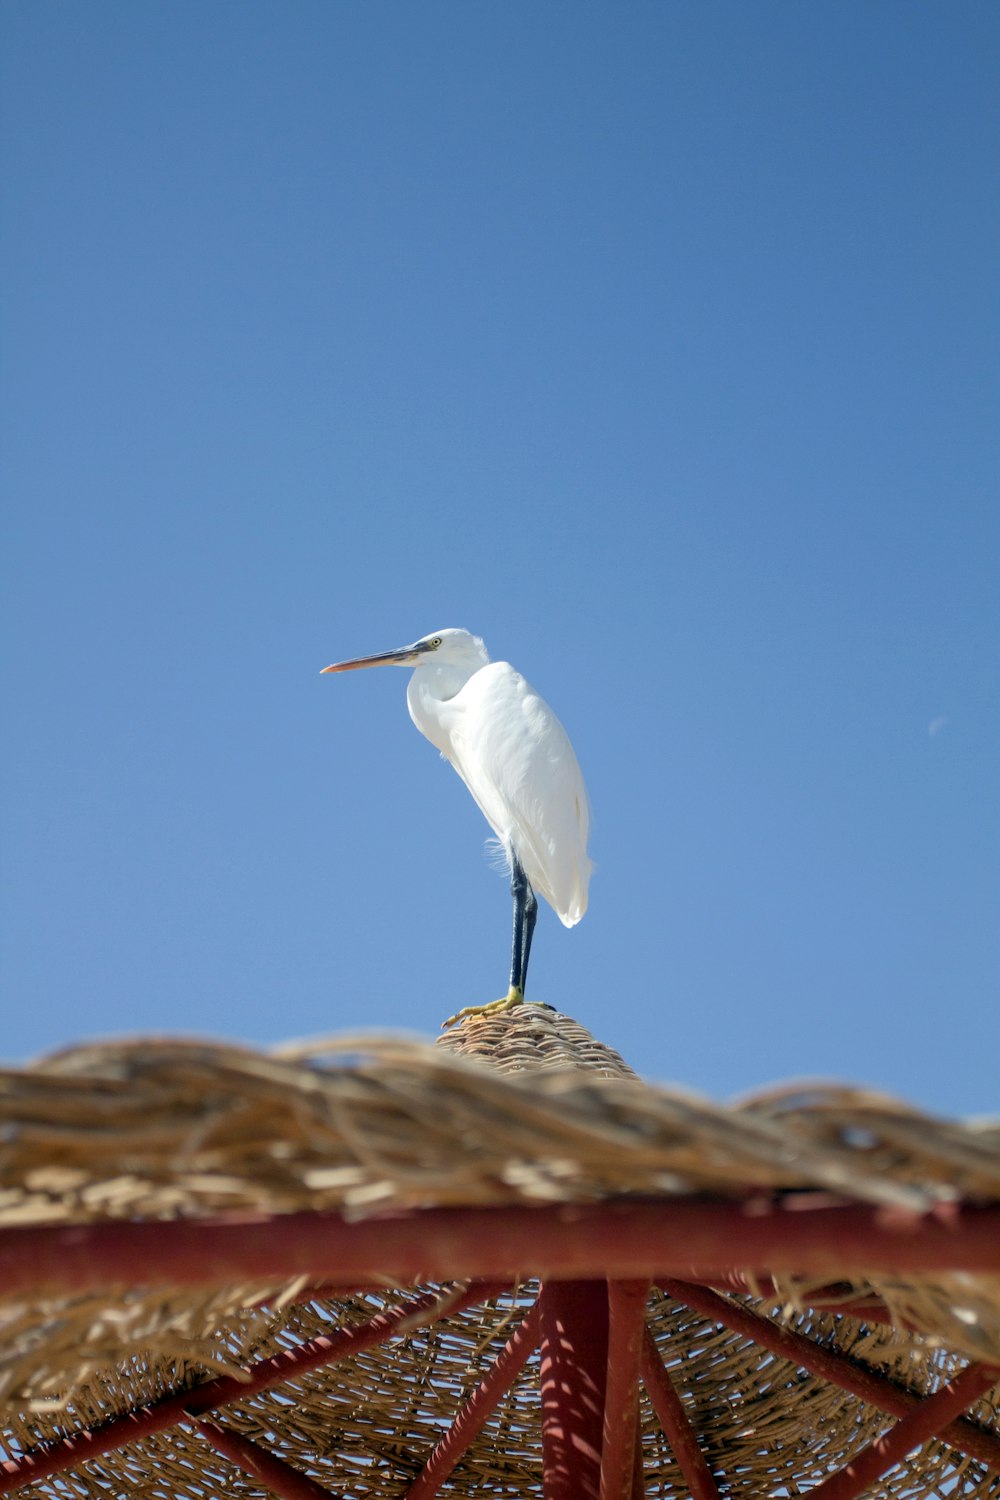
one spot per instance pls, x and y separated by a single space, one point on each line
927 1420
692 1237
968 1437
67 1453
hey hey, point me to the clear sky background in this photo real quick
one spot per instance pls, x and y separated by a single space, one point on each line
657 344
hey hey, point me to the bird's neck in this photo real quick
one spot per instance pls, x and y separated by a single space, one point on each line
429 690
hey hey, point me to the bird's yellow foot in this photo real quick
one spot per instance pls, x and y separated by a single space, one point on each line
514 996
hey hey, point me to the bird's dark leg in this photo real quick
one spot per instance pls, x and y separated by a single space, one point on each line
525 912
519 889
528 928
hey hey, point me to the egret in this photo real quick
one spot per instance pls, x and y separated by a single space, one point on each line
516 759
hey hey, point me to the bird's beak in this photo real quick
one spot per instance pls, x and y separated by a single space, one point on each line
401 658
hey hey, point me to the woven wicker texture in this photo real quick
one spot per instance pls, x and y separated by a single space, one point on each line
522 1107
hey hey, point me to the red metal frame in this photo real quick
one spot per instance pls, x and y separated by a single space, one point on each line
588 1323
53 1458
929 1419
827 1364
694 1238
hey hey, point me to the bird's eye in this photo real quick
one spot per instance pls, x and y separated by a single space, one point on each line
435 643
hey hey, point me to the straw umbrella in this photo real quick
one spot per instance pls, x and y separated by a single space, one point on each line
498 1266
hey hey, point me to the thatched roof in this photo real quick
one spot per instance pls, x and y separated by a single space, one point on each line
524 1109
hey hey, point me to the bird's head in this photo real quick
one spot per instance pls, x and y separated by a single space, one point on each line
445 648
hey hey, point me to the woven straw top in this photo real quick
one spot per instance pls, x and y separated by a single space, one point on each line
524 1107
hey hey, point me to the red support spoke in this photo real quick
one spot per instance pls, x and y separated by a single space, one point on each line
675 1423
470 1420
638 1471
839 1369
329 1291
691 1237
626 1321
574 1360
927 1420
863 1311
53 1458
280 1478
835 1297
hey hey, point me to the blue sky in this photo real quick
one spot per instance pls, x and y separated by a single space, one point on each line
656 344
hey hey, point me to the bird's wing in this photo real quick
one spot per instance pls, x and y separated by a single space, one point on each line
516 759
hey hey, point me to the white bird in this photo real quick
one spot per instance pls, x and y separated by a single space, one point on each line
516 759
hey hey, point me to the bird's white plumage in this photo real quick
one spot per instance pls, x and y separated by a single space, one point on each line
516 759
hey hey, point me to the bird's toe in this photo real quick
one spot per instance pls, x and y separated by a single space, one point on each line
514 996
